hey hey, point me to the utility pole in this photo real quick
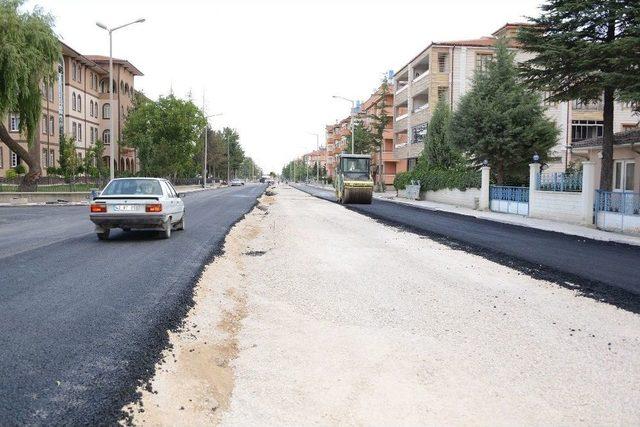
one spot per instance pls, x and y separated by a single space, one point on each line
206 132
353 110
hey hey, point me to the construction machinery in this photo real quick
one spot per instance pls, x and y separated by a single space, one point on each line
353 181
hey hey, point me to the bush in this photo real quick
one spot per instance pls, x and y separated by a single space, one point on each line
329 180
20 169
11 174
439 179
401 180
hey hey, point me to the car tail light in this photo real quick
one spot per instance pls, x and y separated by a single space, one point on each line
98 207
154 207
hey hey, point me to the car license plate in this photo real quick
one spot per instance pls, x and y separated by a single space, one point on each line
124 208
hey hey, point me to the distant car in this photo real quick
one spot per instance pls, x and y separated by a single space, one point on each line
138 203
236 182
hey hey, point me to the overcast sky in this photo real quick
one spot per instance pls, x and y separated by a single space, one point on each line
272 66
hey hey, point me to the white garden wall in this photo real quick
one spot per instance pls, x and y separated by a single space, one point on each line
468 198
558 206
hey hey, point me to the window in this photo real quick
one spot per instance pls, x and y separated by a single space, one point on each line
584 129
52 158
95 130
73 101
587 105
482 61
629 126
106 111
623 175
133 186
79 132
52 122
79 103
106 136
411 163
443 93
80 73
13 159
418 133
45 158
74 130
91 108
91 136
74 74
14 122
45 124
1 159
443 63
50 93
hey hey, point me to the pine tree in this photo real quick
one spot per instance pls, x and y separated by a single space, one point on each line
586 50
499 120
439 152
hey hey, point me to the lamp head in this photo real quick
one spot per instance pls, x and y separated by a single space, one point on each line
141 20
101 25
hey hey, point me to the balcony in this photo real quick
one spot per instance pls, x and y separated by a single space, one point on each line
401 123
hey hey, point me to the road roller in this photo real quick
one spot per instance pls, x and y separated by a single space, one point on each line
353 181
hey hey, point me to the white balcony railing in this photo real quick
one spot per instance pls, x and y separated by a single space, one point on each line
404 116
421 76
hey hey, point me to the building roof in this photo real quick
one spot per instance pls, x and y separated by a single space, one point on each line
511 26
101 59
481 42
621 138
84 60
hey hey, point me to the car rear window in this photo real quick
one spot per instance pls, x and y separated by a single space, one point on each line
141 187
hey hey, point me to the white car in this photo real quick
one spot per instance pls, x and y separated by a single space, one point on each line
236 182
138 203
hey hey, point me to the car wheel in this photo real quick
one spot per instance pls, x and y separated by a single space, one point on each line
104 235
166 232
180 225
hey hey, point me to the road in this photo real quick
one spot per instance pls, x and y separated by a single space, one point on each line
82 321
603 270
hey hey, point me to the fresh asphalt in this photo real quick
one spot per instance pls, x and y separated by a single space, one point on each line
601 270
82 321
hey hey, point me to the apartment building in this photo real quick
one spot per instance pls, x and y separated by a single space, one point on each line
77 105
445 70
338 138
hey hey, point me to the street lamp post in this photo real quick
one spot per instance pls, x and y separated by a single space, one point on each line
112 149
353 109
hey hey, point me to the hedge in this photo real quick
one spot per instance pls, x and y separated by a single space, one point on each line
439 179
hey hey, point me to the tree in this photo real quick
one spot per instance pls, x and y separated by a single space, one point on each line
379 120
364 141
29 51
439 152
499 120
93 162
586 50
70 164
166 134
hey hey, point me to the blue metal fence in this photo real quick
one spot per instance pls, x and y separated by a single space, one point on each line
560 181
509 193
618 211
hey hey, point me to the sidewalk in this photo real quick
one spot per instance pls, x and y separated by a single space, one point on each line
524 221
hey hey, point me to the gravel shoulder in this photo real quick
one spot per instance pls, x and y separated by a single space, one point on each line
319 315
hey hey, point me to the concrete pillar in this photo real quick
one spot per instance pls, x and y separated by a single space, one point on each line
534 171
588 191
484 188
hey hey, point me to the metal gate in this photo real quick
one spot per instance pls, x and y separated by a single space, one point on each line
509 199
617 211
